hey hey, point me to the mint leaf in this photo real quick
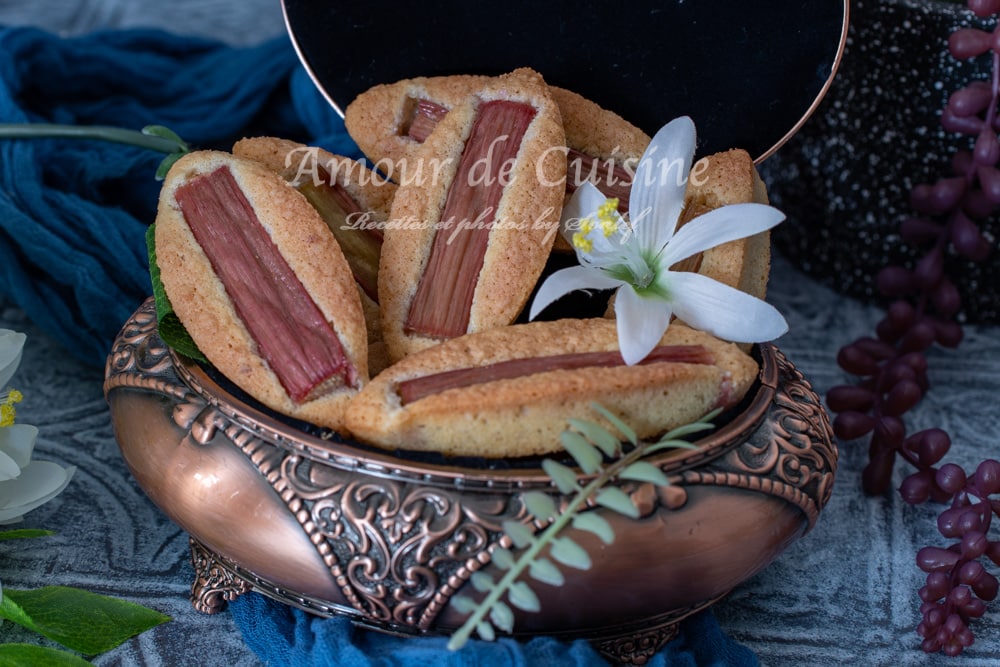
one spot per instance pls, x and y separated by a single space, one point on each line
26 655
78 619
171 330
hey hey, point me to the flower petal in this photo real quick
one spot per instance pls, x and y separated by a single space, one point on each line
569 280
17 441
641 322
657 195
11 344
39 483
584 204
719 226
723 311
9 469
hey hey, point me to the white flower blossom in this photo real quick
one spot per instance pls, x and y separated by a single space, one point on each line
24 484
634 256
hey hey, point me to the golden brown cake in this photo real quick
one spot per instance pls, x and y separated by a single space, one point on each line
390 121
509 392
258 280
718 180
470 233
353 201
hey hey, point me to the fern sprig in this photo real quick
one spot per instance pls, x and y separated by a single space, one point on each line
589 444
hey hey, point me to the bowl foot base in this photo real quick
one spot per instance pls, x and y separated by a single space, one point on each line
638 648
638 644
214 584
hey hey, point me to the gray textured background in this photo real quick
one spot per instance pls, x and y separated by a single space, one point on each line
843 595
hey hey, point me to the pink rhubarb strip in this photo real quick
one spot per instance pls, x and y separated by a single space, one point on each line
443 300
291 333
428 385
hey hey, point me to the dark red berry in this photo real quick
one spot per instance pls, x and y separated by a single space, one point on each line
987 477
936 559
951 478
969 42
852 424
894 281
849 397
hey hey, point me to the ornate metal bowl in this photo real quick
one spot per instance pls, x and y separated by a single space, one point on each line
386 539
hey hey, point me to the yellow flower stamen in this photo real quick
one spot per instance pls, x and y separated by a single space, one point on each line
580 238
7 411
607 215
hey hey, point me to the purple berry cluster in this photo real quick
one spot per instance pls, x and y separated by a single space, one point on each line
924 305
958 584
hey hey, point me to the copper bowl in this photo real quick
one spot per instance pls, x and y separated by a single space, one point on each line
386 539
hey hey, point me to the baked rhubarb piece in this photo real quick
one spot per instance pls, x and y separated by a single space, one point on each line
468 239
389 122
717 180
509 392
353 201
259 282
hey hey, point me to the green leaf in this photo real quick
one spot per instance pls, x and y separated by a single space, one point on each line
522 597
615 499
686 430
519 534
165 165
485 631
622 427
562 476
463 604
546 571
672 439
641 471
585 454
165 133
502 616
78 619
180 148
481 581
593 522
28 655
540 505
607 442
171 330
24 533
503 558
569 553
669 444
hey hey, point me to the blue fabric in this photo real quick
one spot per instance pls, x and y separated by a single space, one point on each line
73 216
73 213
286 637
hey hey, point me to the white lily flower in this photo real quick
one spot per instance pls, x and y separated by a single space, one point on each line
634 257
33 483
24 484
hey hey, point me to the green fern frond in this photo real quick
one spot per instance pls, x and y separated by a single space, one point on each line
599 452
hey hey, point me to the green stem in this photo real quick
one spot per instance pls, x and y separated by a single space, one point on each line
99 132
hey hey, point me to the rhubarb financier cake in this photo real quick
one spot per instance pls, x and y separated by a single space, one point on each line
512 389
260 283
353 201
470 232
